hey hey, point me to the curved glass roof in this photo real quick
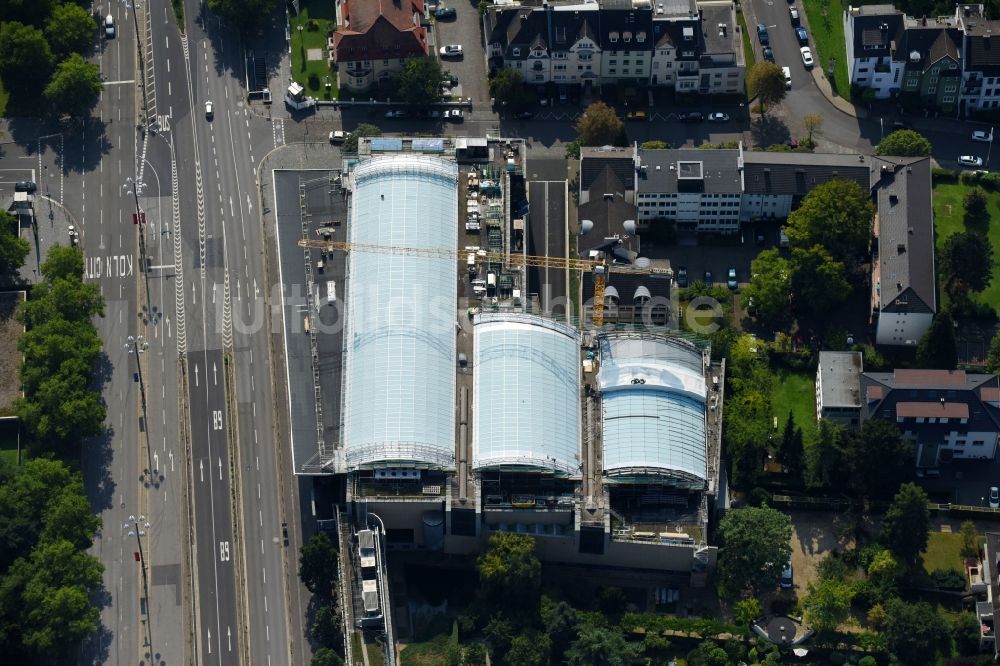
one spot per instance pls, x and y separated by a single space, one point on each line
526 393
399 366
652 408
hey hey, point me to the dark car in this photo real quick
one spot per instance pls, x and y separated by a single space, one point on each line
708 278
25 186
682 276
768 54
524 115
692 117
445 13
802 35
563 95
284 533
762 34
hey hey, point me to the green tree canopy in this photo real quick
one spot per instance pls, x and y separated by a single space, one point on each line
326 657
70 29
318 565
904 143
510 572
755 545
770 287
819 283
766 82
326 627
529 649
654 144
13 249
836 215
791 449
826 456
601 646
508 90
976 204
560 621
906 524
419 82
364 130
813 123
880 459
599 125
243 14
33 12
25 57
970 539
937 349
827 604
75 87
966 262
916 632
993 355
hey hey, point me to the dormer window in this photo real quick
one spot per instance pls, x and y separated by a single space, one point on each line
627 36
612 37
640 37
688 34
516 51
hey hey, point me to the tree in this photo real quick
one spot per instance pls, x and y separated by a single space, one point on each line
326 627
883 573
13 249
906 523
813 123
708 653
916 632
326 657
790 450
364 130
819 283
244 14
966 262
508 91
770 286
975 204
756 545
993 355
825 457
25 57
970 539
600 646
509 571
529 649
828 604
880 460
70 29
837 215
61 262
599 125
766 82
26 11
654 144
419 82
560 621
747 610
318 565
965 630
75 87
937 348
904 143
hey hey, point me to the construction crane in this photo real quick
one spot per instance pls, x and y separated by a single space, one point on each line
599 266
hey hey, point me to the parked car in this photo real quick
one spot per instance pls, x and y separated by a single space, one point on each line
209 113
635 115
788 77
563 95
28 186
762 34
451 51
718 117
787 577
708 278
454 115
524 115
807 56
338 136
995 498
682 276
793 15
980 135
731 280
398 113
802 35
768 54
692 117
970 160
445 13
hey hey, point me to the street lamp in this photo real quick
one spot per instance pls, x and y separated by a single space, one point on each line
138 345
136 527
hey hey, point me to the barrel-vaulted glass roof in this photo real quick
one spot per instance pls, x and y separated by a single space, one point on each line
526 394
399 366
653 394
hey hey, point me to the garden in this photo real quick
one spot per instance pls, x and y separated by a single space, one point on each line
309 30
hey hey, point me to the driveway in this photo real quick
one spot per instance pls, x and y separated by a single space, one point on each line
471 67
814 535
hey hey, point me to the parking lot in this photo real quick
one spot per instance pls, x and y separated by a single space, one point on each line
471 67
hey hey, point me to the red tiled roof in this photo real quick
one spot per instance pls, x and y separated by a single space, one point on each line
377 29
929 378
360 15
875 393
989 394
951 410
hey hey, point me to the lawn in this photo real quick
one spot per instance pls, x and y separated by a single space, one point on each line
4 97
748 57
943 551
8 444
317 20
795 392
826 31
948 220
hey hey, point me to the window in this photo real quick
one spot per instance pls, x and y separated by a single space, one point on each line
612 71
613 61
934 80
978 442
613 37
932 90
934 71
385 61
516 51
948 99
949 89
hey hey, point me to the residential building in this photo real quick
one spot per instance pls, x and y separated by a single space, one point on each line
626 39
838 387
981 60
947 414
676 40
720 61
988 611
872 34
374 38
904 291
698 190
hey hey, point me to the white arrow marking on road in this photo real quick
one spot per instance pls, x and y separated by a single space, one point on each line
220 468
171 461
156 461
201 470
194 295
213 291
256 291
229 635
249 205
215 374
232 213
210 641
196 375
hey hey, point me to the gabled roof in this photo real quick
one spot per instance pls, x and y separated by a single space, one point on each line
797 173
932 44
877 28
925 394
682 34
569 27
607 208
380 29
635 24
982 47
593 162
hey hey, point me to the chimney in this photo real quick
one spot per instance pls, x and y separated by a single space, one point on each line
923 21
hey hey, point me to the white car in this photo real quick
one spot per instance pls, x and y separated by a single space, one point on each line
807 56
338 136
995 498
454 115
970 160
451 51
718 117
109 26
980 135
208 110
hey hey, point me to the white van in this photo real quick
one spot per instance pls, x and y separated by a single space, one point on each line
788 77
109 26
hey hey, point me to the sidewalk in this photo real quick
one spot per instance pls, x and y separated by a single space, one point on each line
838 102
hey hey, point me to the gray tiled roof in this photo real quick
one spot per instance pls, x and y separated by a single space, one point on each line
719 169
621 21
930 387
797 173
982 47
932 43
593 162
876 29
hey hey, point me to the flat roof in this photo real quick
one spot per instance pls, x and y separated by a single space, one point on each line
840 378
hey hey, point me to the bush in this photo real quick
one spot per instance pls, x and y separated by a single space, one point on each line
941 175
759 497
990 181
948 579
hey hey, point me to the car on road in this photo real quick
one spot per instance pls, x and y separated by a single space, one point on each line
802 35
209 113
762 34
768 54
454 115
718 117
788 77
708 278
398 113
994 497
524 115
970 160
787 576
284 533
28 186
980 135
451 51
635 115
793 15
682 276
109 26
731 280
338 136
692 117
445 13
807 56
